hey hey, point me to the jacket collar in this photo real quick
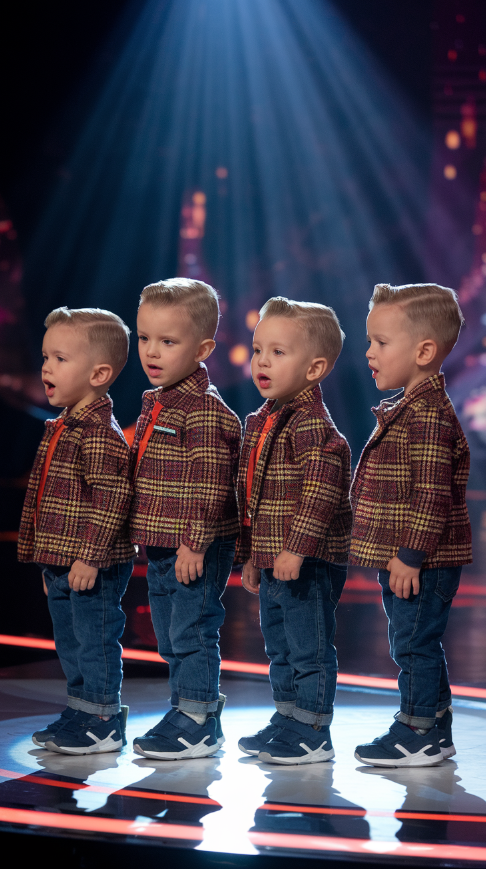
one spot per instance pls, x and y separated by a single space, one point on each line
304 399
390 408
196 384
97 413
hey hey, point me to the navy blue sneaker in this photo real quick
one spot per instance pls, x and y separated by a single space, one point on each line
217 716
444 728
401 746
298 743
178 737
88 734
256 743
40 737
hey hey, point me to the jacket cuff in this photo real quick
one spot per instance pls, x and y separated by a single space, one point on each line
197 537
411 557
301 544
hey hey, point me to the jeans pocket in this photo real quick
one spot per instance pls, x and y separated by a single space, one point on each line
337 574
447 582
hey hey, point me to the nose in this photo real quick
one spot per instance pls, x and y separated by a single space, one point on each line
369 352
152 349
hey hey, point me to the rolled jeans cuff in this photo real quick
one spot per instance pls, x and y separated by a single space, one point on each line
285 707
93 708
319 719
196 706
415 721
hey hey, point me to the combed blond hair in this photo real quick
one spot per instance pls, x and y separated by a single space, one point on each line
318 322
433 310
104 331
199 299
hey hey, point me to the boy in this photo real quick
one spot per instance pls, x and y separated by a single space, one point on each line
410 514
74 525
184 511
293 494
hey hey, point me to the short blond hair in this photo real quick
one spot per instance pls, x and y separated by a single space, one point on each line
433 310
318 322
199 299
103 329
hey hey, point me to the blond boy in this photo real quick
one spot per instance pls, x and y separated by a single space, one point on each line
184 511
410 514
293 494
74 525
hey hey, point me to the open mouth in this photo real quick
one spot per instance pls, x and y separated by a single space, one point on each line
49 387
154 370
263 380
374 371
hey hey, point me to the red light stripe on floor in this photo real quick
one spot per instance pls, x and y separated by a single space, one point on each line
100 825
105 789
247 667
360 813
367 847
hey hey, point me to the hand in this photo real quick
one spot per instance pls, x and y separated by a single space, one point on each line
189 564
403 579
82 577
287 565
250 577
44 584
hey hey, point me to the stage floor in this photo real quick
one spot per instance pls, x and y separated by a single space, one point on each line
231 803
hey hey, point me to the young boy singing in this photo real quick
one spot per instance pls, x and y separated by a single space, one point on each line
184 511
74 525
293 494
410 514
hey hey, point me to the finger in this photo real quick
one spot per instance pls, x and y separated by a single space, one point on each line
406 588
200 567
416 584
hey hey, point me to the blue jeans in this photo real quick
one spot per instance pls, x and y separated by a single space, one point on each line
415 629
298 625
187 619
87 629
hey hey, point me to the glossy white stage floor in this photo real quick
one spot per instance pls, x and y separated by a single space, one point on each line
232 803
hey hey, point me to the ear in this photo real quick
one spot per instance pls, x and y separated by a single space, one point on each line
317 370
426 352
206 347
101 375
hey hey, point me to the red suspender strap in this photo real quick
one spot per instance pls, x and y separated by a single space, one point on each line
148 431
47 461
254 456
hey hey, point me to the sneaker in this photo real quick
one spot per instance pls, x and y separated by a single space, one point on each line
298 743
444 728
40 737
88 734
217 716
401 746
256 743
178 737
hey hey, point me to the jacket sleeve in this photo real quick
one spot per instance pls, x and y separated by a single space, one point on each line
107 492
321 457
213 443
431 445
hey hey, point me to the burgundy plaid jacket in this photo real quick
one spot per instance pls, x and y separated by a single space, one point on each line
84 508
409 489
185 481
300 493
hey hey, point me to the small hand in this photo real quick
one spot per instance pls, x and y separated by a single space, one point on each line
250 577
189 564
287 566
403 579
82 577
44 584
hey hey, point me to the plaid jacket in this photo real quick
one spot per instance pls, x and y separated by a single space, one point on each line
185 481
84 508
300 493
409 488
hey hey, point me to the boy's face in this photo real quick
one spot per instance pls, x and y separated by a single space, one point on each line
281 359
68 365
168 344
392 354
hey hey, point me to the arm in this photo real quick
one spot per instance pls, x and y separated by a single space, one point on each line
213 443
104 458
322 457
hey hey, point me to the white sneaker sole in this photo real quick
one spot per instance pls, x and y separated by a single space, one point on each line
99 747
319 755
417 759
39 744
253 752
448 752
199 750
